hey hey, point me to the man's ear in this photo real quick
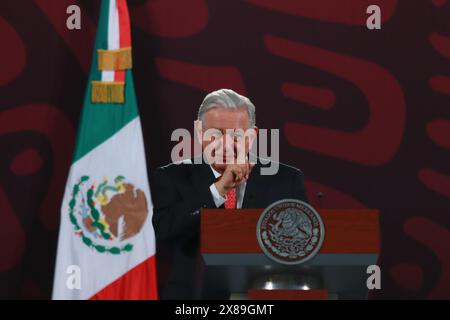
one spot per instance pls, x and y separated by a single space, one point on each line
198 134
254 135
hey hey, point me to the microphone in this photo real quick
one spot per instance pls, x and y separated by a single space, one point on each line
320 196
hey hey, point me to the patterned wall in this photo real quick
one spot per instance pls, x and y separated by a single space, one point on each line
365 114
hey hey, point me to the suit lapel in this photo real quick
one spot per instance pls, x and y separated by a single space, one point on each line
254 188
202 176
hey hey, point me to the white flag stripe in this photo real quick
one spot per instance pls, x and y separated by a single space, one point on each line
113 36
98 270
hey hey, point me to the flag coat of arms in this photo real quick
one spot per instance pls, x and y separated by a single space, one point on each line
106 246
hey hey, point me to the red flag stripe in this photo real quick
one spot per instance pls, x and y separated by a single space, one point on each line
138 283
124 32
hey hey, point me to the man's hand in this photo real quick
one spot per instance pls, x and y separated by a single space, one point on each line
233 176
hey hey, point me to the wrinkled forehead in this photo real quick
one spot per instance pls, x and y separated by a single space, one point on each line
226 118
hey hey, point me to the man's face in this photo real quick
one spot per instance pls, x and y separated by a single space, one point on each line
225 146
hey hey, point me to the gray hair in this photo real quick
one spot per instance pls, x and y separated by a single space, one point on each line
229 99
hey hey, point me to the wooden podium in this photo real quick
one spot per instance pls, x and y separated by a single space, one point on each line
338 271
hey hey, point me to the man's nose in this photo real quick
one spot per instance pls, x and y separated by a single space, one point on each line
228 144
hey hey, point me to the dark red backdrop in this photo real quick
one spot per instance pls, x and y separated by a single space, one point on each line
364 113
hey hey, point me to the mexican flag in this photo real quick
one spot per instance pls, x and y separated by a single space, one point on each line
106 247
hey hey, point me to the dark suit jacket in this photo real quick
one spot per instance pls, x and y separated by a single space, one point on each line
179 191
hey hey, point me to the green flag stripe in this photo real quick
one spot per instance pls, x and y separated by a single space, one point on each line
98 122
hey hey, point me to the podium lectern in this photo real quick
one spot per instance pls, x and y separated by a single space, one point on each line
338 271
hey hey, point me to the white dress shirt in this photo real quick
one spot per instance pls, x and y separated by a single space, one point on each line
219 200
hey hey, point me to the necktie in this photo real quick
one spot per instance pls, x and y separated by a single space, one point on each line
230 202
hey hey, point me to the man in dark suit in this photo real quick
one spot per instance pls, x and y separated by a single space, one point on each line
181 190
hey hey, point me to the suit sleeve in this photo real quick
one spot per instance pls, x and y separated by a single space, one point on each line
176 208
299 187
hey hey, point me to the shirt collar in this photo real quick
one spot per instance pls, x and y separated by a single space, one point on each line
215 172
